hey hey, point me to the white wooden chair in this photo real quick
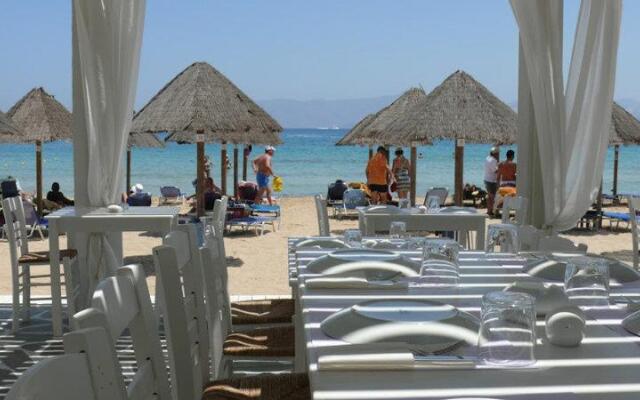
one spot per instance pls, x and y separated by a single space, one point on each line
634 208
555 243
23 260
529 237
322 215
516 204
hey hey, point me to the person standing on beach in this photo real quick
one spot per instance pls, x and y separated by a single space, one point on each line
263 169
401 168
491 177
507 171
379 176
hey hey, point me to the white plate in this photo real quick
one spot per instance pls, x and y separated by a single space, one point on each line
322 243
428 325
377 263
552 266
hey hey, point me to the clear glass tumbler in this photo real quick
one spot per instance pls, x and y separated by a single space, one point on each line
397 230
439 263
508 329
586 281
353 238
433 204
441 249
502 238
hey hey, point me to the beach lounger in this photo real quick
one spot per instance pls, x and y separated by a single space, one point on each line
33 221
351 200
139 200
618 217
267 210
256 222
170 194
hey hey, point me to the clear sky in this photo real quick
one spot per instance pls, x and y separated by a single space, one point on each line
299 49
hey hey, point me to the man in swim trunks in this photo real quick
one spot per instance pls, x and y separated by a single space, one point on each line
379 176
263 170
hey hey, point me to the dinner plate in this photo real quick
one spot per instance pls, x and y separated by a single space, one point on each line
384 210
457 210
551 266
378 264
428 325
322 243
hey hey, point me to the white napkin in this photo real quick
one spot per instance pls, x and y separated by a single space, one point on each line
351 282
548 297
565 326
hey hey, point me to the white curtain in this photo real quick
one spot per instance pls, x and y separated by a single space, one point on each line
571 127
107 37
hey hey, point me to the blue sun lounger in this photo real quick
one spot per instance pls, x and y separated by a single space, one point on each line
618 217
252 221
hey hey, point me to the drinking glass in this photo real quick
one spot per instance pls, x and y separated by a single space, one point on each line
504 237
433 204
586 281
508 329
403 203
440 249
435 272
397 230
353 237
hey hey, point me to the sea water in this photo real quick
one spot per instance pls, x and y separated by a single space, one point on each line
308 161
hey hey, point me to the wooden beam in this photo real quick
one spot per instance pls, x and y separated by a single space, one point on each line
414 167
128 170
616 156
245 160
370 152
235 171
223 168
459 171
39 177
200 173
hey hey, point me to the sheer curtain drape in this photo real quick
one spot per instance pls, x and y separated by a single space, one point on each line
569 129
107 37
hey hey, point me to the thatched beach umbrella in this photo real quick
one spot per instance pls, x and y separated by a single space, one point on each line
391 126
462 109
9 132
140 140
625 130
42 119
201 105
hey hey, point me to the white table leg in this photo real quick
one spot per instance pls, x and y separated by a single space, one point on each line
56 301
480 232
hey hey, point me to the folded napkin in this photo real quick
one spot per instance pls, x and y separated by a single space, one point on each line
351 282
565 326
384 356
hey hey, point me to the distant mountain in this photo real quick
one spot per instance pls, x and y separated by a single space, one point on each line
323 113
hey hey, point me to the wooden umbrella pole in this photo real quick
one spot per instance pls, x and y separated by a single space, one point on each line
414 167
200 174
459 168
235 171
598 220
245 159
616 155
223 168
128 170
370 152
39 176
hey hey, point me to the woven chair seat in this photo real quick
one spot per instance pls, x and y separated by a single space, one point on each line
35 257
261 387
274 311
261 342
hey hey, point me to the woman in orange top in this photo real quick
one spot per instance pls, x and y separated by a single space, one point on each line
378 176
507 171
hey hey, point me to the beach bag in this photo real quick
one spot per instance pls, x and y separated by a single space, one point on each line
278 184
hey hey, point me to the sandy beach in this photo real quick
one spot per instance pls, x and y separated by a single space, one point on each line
258 263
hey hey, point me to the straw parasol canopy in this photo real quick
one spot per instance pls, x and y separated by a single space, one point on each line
392 124
41 117
9 132
144 140
625 128
202 98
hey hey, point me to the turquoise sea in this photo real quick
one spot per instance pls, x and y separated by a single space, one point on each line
307 161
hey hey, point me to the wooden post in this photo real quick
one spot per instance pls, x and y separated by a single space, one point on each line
235 171
459 171
245 159
414 167
616 155
223 168
598 220
370 152
200 173
39 176
128 170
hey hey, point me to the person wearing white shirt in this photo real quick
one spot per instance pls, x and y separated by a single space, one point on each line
491 177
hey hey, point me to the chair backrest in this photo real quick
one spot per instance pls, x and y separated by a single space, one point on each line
179 269
139 200
529 237
170 192
634 208
517 204
122 303
9 188
441 192
218 222
16 227
353 198
560 244
323 216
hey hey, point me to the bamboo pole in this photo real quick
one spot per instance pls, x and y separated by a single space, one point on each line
414 167
235 171
370 152
245 159
39 176
616 156
459 171
200 173
128 169
223 168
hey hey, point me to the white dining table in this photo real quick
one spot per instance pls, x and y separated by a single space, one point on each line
72 220
605 366
416 221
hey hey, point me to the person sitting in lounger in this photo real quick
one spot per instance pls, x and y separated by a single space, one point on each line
58 198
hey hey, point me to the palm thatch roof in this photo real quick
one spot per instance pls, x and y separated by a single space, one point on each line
462 108
390 125
41 117
625 128
144 140
202 98
9 133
